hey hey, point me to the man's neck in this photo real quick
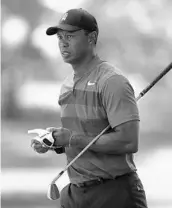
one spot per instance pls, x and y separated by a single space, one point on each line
83 65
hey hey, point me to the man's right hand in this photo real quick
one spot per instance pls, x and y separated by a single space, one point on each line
41 146
38 146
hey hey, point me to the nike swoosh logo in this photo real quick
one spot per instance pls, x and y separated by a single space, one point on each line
91 83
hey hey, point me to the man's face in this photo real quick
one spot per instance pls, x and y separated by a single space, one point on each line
74 46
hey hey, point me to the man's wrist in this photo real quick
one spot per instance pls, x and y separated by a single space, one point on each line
71 140
76 140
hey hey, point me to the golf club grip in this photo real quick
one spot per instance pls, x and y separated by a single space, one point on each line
164 72
167 69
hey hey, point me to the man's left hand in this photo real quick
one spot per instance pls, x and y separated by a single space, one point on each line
61 136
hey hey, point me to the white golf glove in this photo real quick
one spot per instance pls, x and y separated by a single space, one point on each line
43 142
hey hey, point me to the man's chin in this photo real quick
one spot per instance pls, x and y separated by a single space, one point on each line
68 60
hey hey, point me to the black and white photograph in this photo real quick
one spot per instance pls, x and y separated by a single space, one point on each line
86 103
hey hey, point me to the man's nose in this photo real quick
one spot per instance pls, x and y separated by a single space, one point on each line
64 43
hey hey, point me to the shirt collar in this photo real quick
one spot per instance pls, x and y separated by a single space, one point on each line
90 67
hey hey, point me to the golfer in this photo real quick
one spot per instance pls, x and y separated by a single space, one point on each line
93 96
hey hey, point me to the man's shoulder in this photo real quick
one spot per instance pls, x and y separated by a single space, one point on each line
107 68
107 71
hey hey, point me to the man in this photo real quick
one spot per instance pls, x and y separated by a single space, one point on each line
95 95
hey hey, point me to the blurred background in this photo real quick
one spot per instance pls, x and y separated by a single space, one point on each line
136 36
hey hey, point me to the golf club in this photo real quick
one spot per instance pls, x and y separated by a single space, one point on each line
53 192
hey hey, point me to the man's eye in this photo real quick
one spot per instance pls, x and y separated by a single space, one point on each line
69 37
59 37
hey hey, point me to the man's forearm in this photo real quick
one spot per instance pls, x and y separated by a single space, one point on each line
110 143
123 139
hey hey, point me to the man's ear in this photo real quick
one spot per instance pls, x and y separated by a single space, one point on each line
92 37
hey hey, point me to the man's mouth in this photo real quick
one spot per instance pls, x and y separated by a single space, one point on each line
65 53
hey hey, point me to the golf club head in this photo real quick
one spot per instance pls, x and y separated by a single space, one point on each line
53 192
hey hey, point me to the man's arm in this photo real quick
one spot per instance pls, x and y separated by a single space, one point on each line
123 140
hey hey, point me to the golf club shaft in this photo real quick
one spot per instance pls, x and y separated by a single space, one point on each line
72 161
164 72
142 93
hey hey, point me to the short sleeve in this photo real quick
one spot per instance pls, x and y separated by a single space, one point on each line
119 100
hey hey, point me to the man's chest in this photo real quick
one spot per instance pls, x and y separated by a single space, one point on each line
82 109
84 92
